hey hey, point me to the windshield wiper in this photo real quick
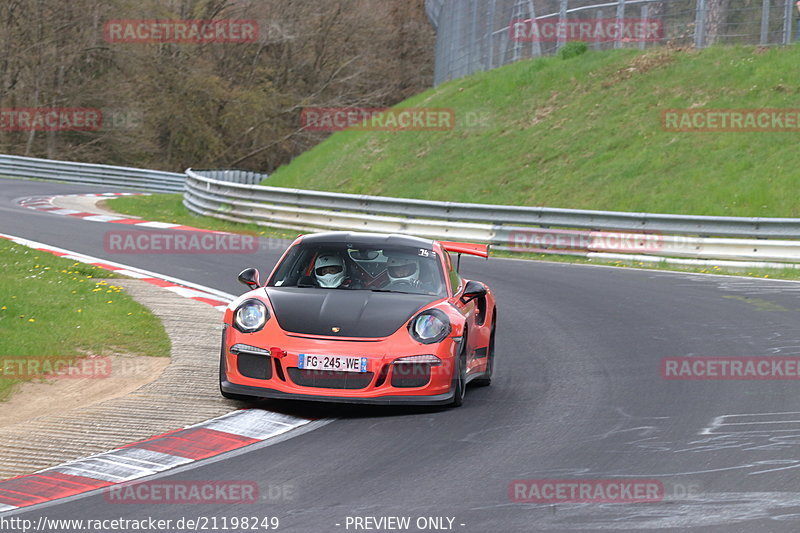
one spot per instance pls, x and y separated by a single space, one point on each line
390 290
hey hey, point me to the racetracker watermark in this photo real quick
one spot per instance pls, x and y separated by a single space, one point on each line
537 240
50 119
730 368
122 119
181 31
730 120
586 491
377 119
178 242
551 29
23 368
183 492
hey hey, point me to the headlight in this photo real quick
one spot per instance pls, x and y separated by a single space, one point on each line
429 326
250 316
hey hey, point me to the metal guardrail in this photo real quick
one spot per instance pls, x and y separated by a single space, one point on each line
125 177
507 227
86 173
494 215
247 177
514 228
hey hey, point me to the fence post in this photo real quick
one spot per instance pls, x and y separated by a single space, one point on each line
620 22
562 23
516 15
505 38
464 48
598 43
445 36
787 22
536 46
452 61
473 39
645 13
492 9
700 25
764 22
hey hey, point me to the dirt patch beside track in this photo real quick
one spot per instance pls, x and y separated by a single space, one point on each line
54 429
56 395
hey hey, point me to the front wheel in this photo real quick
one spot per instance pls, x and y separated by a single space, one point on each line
460 377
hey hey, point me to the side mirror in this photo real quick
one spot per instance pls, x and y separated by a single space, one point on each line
474 289
249 277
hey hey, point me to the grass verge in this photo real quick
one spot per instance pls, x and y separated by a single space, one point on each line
55 308
584 133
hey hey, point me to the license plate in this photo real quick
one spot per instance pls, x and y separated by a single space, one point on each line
339 363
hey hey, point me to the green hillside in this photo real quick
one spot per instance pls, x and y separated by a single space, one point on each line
585 133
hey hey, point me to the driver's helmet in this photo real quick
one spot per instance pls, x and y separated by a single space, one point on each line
329 270
403 269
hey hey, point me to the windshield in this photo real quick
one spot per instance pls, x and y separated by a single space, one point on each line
347 266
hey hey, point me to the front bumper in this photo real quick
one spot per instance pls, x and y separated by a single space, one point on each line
270 377
261 392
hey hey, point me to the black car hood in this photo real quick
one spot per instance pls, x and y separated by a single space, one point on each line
357 313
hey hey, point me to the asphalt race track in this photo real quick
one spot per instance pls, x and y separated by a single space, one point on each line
577 393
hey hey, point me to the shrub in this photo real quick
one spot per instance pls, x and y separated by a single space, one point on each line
573 49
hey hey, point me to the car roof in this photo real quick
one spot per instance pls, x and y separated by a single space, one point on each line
366 239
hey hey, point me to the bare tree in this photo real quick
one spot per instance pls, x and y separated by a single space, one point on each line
716 18
212 104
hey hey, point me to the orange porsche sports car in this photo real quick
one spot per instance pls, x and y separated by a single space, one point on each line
360 318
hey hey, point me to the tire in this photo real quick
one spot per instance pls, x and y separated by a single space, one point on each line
460 377
486 380
228 395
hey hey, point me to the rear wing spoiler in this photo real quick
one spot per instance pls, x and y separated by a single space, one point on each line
481 250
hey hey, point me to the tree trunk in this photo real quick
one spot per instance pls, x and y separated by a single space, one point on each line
716 17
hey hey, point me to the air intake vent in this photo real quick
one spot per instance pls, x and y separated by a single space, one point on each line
327 379
254 366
